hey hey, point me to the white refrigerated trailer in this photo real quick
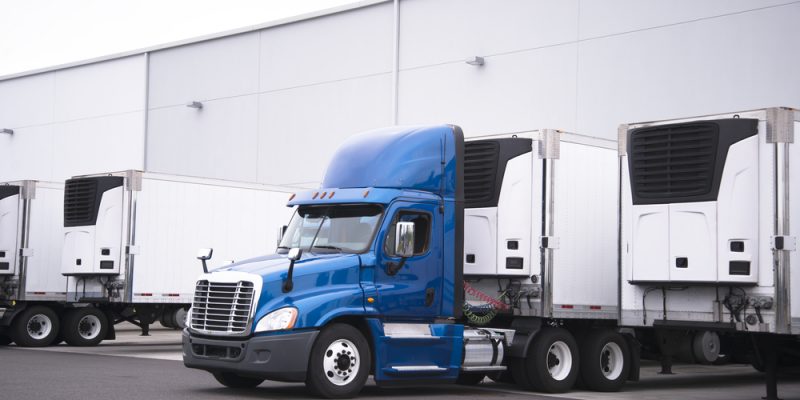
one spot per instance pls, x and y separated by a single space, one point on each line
540 257
32 289
710 209
125 248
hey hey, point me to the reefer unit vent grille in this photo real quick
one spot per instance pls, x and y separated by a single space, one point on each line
80 196
673 161
222 308
480 171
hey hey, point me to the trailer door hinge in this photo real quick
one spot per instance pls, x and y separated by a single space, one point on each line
788 243
26 252
549 242
132 250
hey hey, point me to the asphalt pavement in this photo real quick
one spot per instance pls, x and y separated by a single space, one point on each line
136 367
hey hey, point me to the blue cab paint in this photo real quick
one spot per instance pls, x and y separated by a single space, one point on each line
402 170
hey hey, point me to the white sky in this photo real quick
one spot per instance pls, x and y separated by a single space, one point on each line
42 33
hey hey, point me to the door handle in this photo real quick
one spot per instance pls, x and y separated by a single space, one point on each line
429 295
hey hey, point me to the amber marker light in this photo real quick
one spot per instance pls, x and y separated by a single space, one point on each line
315 195
292 196
366 193
330 196
370 300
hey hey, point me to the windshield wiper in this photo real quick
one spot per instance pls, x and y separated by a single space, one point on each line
322 246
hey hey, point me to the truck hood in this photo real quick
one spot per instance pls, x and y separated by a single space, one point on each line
324 285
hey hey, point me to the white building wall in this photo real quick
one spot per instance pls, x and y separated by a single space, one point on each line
278 101
73 121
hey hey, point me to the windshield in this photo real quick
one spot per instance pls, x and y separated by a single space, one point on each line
340 228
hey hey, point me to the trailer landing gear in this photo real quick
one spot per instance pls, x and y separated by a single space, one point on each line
769 358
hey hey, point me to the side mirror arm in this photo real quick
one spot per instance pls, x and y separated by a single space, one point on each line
393 268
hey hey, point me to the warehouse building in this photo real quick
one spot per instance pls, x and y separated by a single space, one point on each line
270 103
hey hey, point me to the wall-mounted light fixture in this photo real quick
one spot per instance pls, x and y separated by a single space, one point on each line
475 60
195 104
8 131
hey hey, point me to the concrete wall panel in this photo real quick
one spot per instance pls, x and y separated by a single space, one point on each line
218 141
433 32
28 154
111 87
515 92
26 101
608 17
88 146
301 128
340 46
738 62
203 71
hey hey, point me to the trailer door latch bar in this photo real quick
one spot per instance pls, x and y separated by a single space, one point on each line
782 242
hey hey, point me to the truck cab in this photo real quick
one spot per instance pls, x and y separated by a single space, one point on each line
370 263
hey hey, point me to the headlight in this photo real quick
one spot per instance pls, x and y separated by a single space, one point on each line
277 320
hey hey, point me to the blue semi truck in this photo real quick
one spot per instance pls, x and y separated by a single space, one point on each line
424 258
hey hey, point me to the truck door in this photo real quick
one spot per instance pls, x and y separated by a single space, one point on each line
413 290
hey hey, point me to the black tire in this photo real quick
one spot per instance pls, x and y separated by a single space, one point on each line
519 372
165 319
552 365
85 326
5 340
470 379
234 381
605 361
36 326
332 361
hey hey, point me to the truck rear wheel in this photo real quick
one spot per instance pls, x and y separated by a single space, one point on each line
234 381
340 362
36 326
85 326
552 364
605 361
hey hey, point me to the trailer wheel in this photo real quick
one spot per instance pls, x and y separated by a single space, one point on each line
37 326
470 378
165 319
605 361
179 316
85 326
340 362
234 381
552 364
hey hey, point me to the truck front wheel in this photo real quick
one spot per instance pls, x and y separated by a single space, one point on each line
85 326
37 326
340 362
552 364
605 361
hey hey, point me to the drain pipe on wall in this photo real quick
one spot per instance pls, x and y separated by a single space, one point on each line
396 62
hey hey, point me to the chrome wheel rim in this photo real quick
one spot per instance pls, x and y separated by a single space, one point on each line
559 360
39 326
340 362
89 327
611 361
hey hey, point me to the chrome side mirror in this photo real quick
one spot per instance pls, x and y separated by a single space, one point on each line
281 232
404 239
295 254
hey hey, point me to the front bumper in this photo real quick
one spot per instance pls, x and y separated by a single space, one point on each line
278 358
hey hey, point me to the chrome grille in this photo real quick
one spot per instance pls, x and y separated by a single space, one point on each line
222 308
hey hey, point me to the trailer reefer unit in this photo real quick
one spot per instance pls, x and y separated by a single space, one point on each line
423 258
709 219
32 290
130 239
